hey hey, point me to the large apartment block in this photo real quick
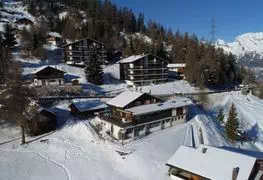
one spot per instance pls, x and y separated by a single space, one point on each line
77 53
143 69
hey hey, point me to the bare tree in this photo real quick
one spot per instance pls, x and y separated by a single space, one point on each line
18 100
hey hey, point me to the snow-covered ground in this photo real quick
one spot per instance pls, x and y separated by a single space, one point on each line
250 113
170 88
76 152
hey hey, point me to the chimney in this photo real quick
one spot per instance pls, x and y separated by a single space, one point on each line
235 173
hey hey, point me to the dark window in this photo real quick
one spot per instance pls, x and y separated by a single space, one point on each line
179 111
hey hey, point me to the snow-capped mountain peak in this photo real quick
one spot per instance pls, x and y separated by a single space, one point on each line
244 44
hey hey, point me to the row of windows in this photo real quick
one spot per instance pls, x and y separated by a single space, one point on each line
152 125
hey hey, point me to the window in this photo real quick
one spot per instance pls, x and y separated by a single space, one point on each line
140 128
147 102
131 65
52 80
138 103
153 100
128 131
179 111
156 124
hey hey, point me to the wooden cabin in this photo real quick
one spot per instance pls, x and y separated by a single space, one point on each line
145 69
135 114
44 122
48 76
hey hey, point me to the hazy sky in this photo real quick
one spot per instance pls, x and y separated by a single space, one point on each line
232 17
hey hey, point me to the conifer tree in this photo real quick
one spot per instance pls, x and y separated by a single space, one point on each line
94 71
9 37
232 124
221 116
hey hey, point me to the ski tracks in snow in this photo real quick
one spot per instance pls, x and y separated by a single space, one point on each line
67 173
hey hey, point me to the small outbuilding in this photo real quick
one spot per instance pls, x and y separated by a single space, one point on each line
177 70
86 108
54 38
45 121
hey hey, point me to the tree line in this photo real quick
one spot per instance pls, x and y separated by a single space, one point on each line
117 27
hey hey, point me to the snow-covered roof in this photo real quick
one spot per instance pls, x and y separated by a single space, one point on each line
144 109
124 98
211 162
132 58
177 65
44 67
85 105
137 57
54 34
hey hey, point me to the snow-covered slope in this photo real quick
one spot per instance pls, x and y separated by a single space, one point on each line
247 47
76 152
250 113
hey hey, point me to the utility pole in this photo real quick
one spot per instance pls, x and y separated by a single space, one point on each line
213 31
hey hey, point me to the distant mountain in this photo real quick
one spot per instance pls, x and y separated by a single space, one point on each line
247 47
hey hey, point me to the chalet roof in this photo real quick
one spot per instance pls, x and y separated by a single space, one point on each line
86 105
54 34
137 57
211 162
44 67
24 19
176 65
42 109
124 98
84 39
145 109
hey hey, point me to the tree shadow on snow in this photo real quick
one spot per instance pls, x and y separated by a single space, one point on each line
108 79
92 88
69 77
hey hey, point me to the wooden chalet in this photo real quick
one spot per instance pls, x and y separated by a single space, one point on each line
135 114
24 21
212 163
86 108
145 69
54 38
48 76
78 52
177 70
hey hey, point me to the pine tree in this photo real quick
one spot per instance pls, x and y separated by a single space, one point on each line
232 124
94 71
9 37
221 116
1 4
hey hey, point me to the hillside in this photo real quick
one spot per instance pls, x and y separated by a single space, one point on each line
247 47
